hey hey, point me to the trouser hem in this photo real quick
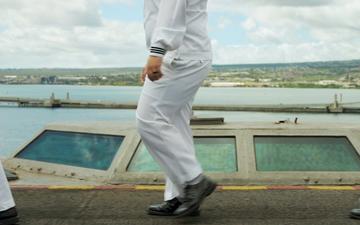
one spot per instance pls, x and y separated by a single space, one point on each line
7 205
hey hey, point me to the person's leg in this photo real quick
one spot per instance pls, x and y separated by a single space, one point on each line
8 213
158 108
6 198
171 190
182 122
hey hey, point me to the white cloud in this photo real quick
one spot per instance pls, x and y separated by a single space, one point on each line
55 33
249 24
22 13
52 33
286 30
240 5
224 22
305 52
112 44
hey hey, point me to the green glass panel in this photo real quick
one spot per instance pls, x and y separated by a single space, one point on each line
305 154
93 151
215 155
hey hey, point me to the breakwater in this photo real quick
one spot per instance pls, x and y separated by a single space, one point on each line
53 102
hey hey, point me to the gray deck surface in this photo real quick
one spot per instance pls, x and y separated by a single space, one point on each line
108 207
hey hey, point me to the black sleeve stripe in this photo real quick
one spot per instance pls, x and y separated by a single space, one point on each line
158 50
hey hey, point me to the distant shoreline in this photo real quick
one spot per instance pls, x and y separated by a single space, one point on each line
332 74
217 87
278 64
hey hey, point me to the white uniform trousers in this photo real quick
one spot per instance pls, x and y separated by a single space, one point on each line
163 120
6 199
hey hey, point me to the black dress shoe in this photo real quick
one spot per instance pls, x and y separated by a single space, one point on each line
9 217
355 214
194 196
167 208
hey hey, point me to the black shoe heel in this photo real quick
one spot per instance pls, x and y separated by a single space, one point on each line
211 190
9 221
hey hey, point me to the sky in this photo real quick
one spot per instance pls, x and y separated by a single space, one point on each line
109 33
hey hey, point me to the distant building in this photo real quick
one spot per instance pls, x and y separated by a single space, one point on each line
48 80
9 77
349 85
265 80
328 82
72 78
227 84
247 79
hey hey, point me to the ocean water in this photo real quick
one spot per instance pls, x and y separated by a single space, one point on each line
18 125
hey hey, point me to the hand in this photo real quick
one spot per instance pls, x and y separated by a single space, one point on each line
152 69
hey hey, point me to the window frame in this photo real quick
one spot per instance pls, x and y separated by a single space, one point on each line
298 177
68 170
236 164
69 132
308 136
123 175
245 154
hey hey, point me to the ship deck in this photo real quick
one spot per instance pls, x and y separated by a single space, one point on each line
260 207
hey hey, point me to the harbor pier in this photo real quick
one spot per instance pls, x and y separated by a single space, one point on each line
54 102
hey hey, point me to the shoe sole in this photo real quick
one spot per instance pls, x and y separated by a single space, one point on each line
9 221
154 213
354 217
206 193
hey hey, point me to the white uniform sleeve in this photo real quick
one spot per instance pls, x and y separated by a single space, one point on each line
170 27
